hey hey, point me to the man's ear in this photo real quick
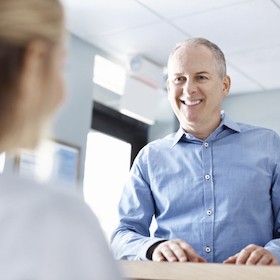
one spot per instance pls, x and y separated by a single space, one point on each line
168 86
226 85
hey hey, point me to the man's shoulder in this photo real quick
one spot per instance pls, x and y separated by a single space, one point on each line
245 127
157 146
258 134
166 141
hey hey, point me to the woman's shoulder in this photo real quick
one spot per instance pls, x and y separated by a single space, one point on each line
50 199
55 224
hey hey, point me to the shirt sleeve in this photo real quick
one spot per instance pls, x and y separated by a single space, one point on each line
131 240
274 245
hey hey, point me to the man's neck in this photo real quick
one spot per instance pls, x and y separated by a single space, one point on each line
202 131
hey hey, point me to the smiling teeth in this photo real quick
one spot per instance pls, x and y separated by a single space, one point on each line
192 102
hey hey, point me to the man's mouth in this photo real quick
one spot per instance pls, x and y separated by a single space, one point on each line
191 102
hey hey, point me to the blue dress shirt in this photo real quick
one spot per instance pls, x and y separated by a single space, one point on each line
219 195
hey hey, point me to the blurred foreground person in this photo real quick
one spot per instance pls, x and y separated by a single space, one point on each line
46 233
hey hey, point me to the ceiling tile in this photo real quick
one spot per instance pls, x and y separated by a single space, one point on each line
262 65
240 83
251 25
153 42
99 18
178 8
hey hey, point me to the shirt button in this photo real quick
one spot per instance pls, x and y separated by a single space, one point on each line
207 249
209 212
206 145
207 176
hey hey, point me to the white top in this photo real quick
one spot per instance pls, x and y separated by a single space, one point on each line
47 233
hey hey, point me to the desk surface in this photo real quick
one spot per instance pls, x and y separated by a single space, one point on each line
148 270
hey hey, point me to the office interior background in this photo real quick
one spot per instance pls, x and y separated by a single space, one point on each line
116 74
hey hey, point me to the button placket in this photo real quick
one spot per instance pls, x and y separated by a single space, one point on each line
207 160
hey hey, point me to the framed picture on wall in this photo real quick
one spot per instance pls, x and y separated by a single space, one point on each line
53 160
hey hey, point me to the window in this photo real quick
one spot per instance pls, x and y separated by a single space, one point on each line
116 124
112 144
2 162
106 168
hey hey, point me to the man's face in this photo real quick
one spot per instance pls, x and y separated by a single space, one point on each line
195 90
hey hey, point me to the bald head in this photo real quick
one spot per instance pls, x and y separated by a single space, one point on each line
215 50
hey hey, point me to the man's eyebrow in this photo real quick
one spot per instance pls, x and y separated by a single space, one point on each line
177 74
202 72
197 73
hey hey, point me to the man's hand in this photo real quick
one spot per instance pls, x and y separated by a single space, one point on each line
176 251
253 255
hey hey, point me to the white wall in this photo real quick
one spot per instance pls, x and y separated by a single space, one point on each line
165 120
262 109
73 121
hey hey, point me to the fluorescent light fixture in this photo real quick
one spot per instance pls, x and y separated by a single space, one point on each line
109 75
137 117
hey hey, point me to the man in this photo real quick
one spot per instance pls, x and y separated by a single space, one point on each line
213 187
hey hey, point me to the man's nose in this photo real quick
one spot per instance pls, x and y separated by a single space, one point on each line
189 87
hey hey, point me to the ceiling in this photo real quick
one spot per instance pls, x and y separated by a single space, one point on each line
248 31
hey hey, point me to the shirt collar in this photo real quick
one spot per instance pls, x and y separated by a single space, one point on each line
225 121
179 134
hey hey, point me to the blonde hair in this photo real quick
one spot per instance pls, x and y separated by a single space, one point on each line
24 20
216 51
21 22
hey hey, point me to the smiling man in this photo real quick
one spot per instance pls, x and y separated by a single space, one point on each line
197 83
213 186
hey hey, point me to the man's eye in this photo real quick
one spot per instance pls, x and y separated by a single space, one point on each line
201 77
179 80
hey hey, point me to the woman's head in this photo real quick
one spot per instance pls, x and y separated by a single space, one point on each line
31 59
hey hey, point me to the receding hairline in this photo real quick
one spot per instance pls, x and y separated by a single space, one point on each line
213 48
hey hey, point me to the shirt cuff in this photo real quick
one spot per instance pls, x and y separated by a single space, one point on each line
150 251
273 247
142 253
